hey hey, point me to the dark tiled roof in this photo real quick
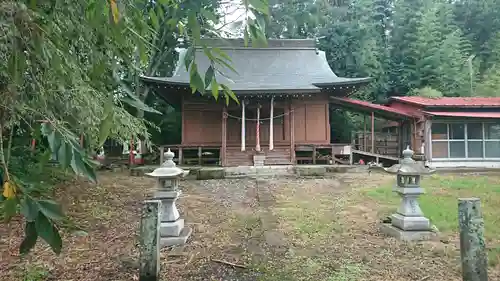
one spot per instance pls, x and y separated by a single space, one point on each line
284 66
466 102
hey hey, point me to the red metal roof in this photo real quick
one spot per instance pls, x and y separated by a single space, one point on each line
452 101
465 114
370 107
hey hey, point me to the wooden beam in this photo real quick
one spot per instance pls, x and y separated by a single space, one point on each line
181 157
373 132
149 241
224 136
314 155
292 130
355 151
200 151
428 139
365 145
400 139
162 154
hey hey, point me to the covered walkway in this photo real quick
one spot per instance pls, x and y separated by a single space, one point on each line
374 144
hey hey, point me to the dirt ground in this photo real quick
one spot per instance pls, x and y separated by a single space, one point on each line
243 229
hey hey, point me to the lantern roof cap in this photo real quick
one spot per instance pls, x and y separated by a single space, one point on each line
409 167
168 169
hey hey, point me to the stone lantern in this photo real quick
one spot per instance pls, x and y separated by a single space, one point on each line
409 223
172 230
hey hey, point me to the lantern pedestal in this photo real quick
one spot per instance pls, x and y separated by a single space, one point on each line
409 223
172 228
406 235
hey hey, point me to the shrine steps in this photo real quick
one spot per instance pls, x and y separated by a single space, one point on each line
278 156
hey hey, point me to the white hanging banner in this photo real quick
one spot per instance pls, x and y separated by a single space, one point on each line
125 148
243 125
257 129
271 125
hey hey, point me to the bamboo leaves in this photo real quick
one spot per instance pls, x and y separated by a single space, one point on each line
107 123
31 236
70 150
48 232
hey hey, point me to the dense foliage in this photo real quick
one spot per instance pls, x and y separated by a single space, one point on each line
69 80
406 45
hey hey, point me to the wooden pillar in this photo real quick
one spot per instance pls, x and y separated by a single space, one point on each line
149 241
400 139
162 152
257 130
181 161
271 125
131 152
224 136
373 132
365 145
314 154
472 244
243 127
291 116
199 155
428 139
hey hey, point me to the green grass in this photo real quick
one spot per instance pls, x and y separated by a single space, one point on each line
440 203
35 273
310 220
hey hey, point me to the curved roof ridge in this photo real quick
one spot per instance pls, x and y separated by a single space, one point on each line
236 43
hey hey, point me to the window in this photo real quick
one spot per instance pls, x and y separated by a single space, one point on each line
466 140
440 140
492 140
457 131
475 131
475 140
439 131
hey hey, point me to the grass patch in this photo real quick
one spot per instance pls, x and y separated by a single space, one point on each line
440 203
309 219
312 269
35 273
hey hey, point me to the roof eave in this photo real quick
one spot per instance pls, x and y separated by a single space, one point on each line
387 113
347 82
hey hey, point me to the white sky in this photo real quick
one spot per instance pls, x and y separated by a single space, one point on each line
234 12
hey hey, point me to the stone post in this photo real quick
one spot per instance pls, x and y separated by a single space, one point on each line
409 223
472 244
172 229
149 241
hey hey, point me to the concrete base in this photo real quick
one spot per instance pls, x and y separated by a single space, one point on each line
402 235
171 228
207 173
210 174
310 170
410 223
176 240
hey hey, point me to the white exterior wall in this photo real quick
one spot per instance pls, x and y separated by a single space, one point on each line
458 162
